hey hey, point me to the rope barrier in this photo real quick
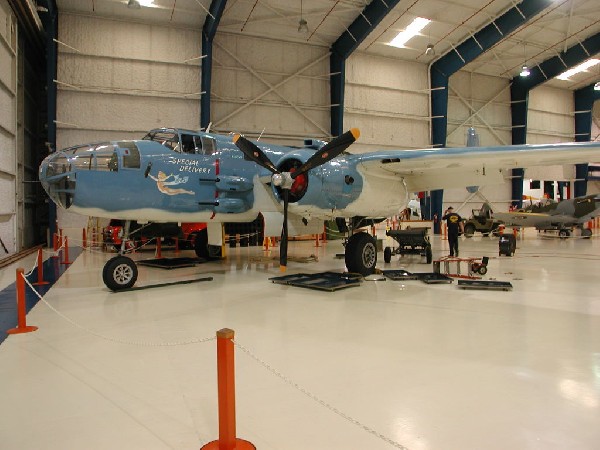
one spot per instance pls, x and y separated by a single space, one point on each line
110 339
317 399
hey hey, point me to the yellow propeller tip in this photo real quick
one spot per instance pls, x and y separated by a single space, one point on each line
282 268
355 132
235 138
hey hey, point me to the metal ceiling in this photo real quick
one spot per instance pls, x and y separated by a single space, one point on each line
562 25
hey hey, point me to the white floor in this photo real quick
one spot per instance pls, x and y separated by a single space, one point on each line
384 365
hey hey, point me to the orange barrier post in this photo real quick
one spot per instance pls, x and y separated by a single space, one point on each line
516 233
84 238
158 248
226 393
177 246
66 252
60 239
316 240
501 228
40 268
266 242
21 313
55 241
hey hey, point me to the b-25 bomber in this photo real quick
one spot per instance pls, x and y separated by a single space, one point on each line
174 175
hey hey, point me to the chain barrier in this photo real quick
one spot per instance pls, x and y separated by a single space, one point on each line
117 341
317 399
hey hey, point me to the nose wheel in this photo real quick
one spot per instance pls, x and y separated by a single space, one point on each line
120 272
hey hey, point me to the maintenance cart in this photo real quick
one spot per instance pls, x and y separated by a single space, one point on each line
474 266
410 241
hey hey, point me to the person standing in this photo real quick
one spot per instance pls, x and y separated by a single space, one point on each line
454 223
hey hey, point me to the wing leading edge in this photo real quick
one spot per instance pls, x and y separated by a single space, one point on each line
428 169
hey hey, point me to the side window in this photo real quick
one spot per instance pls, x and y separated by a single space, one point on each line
198 144
187 143
208 145
131 155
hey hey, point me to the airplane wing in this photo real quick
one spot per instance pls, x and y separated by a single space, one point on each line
427 169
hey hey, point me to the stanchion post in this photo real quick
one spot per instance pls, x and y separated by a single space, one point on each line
21 312
66 252
84 236
55 242
158 248
226 395
176 245
40 268
316 240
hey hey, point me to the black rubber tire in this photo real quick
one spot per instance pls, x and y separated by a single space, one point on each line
120 272
387 254
361 254
428 254
482 270
201 244
469 230
586 233
563 234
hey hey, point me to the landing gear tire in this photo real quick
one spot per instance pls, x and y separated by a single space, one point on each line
387 254
361 254
564 234
120 272
469 230
201 244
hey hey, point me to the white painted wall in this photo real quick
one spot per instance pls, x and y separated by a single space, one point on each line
262 84
8 128
388 100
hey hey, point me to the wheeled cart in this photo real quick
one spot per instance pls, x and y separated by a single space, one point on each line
507 245
446 266
410 241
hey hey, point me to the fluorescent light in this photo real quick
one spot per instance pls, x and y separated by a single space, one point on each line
147 3
580 68
525 71
597 86
411 31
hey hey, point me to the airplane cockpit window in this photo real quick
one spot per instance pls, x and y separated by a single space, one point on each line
209 145
169 139
187 143
131 155
106 158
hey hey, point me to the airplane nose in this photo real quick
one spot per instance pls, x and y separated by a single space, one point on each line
57 179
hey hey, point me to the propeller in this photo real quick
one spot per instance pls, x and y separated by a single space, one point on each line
285 180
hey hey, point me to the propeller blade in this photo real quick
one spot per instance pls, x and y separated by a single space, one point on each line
254 153
283 246
329 151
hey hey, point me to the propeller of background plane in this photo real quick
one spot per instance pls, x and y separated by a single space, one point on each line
285 180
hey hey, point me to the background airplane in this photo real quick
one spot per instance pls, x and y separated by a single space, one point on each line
548 214
174 175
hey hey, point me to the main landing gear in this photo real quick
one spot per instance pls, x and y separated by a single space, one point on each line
361 253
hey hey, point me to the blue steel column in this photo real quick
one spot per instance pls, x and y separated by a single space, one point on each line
467 51
541 73
217 7
343 47
584 103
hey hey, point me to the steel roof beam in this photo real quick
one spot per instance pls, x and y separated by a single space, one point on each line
342 48
209 30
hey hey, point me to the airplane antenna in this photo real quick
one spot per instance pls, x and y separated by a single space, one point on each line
261 133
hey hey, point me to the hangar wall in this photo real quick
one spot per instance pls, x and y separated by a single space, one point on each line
388 100
8 127
262 84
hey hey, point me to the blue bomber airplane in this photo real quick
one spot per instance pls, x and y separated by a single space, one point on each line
174 175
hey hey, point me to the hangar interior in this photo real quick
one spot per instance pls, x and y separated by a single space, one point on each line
383 365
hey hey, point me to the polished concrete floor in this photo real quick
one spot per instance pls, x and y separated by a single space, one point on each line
387 364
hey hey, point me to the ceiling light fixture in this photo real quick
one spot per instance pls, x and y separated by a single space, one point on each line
597 86
134 4
525 71
411 31
302 23
577 69
430 50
